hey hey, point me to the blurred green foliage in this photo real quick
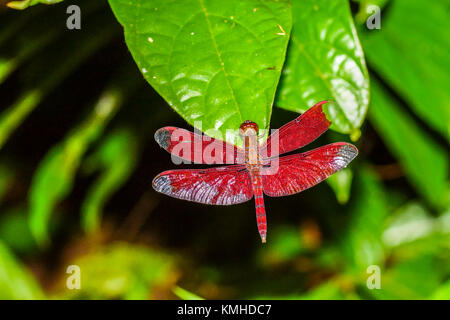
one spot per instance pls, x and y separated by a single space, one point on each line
23 4
412 147
116 156
122 271
392 50
54 178
15 281
77 156
185 295
341 182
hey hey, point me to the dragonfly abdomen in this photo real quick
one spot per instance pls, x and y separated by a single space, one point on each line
259 204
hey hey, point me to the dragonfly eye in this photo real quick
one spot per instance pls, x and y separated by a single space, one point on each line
246 126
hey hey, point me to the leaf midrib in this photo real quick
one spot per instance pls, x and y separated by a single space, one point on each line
222 65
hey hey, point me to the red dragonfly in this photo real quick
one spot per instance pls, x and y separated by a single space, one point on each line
251 173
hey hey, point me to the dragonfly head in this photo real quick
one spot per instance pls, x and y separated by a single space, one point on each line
248 128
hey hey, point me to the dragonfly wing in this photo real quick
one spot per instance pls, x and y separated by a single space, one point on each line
220 186
297 133
302 171
197 148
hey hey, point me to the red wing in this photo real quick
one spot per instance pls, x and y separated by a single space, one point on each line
220 186
297 133
302 171
197 148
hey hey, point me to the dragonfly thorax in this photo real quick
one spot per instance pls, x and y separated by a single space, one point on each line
249 131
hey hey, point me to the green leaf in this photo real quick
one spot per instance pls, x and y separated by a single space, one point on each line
116 157
213 61
20 5
424 161
411 53
341 183
15 281
54 177
325 62
185 295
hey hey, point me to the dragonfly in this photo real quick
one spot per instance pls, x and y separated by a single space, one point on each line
256 169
